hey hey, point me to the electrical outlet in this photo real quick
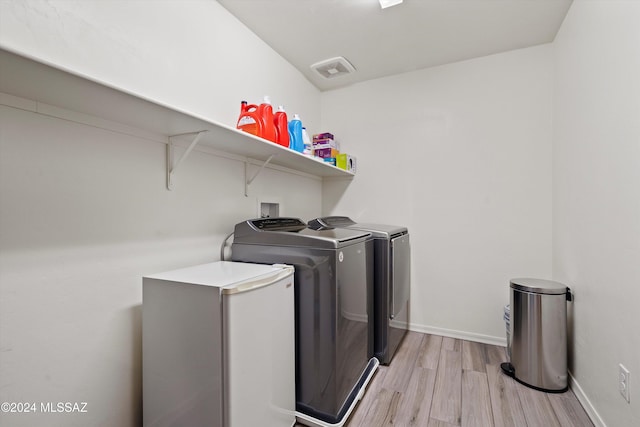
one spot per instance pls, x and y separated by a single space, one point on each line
623 382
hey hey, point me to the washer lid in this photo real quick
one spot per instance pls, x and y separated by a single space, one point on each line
377 230
294 232
539 286
381 230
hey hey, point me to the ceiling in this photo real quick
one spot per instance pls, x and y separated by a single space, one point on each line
381 42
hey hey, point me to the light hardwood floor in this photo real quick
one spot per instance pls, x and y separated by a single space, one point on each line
436 381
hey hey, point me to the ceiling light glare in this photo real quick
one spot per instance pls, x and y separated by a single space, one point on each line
388 3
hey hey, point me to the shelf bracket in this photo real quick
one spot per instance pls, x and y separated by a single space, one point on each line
171 167
248 181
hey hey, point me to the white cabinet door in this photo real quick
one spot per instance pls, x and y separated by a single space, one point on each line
260 356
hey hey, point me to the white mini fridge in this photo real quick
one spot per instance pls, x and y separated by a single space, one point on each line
218 346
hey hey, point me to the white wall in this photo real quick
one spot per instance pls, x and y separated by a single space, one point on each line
596 197
461 154
84 212
191 54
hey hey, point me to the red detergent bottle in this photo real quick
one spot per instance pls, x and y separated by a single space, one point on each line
282 127
265 111
249 120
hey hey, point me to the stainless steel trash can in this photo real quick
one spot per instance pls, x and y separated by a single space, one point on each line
507 323
539 334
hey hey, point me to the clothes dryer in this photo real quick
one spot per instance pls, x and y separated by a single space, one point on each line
333 299
392 280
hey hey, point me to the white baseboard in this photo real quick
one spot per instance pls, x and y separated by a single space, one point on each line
585 402
451 333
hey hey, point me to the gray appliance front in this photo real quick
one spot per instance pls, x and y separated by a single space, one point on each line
392 280
334 337
399 289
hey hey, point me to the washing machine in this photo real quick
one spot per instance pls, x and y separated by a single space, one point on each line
392 280
333 301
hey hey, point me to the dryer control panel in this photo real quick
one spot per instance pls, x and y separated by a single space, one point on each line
278 224
330 222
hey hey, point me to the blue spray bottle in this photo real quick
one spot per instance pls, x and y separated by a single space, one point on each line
295 134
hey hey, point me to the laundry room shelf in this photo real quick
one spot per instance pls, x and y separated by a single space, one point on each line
42 88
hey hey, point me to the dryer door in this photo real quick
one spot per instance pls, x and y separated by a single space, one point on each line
400 275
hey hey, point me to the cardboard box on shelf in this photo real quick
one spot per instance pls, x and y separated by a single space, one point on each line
346 162
324 143
325 135
326 152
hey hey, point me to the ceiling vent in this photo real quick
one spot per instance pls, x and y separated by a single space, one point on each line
334 67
